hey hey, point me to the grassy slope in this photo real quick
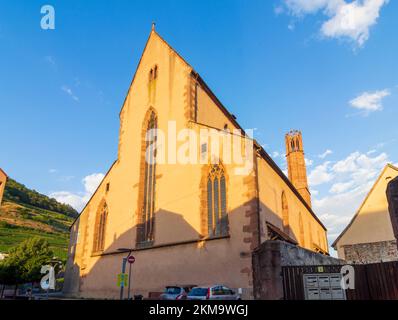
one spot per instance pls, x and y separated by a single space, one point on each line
19 221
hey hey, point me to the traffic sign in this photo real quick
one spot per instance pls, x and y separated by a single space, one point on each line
122 279
131 259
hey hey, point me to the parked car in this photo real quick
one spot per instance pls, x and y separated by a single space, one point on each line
217 292
176 292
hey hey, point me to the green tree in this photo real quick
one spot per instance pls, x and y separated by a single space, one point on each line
24 262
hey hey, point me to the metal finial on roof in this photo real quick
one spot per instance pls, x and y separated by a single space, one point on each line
153 26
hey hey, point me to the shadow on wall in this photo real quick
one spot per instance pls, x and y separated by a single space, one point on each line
179 256
392 197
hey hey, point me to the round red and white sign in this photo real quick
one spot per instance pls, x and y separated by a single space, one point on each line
131 259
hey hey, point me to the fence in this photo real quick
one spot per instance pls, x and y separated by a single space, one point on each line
378 281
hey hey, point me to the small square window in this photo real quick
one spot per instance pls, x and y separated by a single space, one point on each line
107 187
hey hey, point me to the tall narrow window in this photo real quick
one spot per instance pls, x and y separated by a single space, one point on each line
100 225
217 202
285 213
153 75
147 223
155 72
301 226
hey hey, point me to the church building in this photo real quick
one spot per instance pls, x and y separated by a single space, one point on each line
3 180
186 222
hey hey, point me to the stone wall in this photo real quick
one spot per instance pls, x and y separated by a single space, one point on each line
363 253
271 256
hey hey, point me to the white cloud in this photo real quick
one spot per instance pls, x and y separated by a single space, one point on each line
320 175
370 101
308 162
92 181
370 152
350 20
325 154
356 163
69 92
353 20
340 187
352 178
53 171
79 200
303 7
275 154
334 220
341 207
347 164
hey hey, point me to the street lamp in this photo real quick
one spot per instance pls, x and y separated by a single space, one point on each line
129 250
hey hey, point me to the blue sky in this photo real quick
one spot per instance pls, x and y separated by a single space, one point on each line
276 64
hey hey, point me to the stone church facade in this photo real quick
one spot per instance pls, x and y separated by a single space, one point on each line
191 223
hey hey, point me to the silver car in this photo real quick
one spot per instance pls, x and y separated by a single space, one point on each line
175 293
217 292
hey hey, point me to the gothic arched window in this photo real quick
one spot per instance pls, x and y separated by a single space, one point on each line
217 202
100 226
285 213
146 220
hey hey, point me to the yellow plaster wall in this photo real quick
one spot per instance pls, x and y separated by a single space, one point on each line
372 222
3 180
271 187
210 114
